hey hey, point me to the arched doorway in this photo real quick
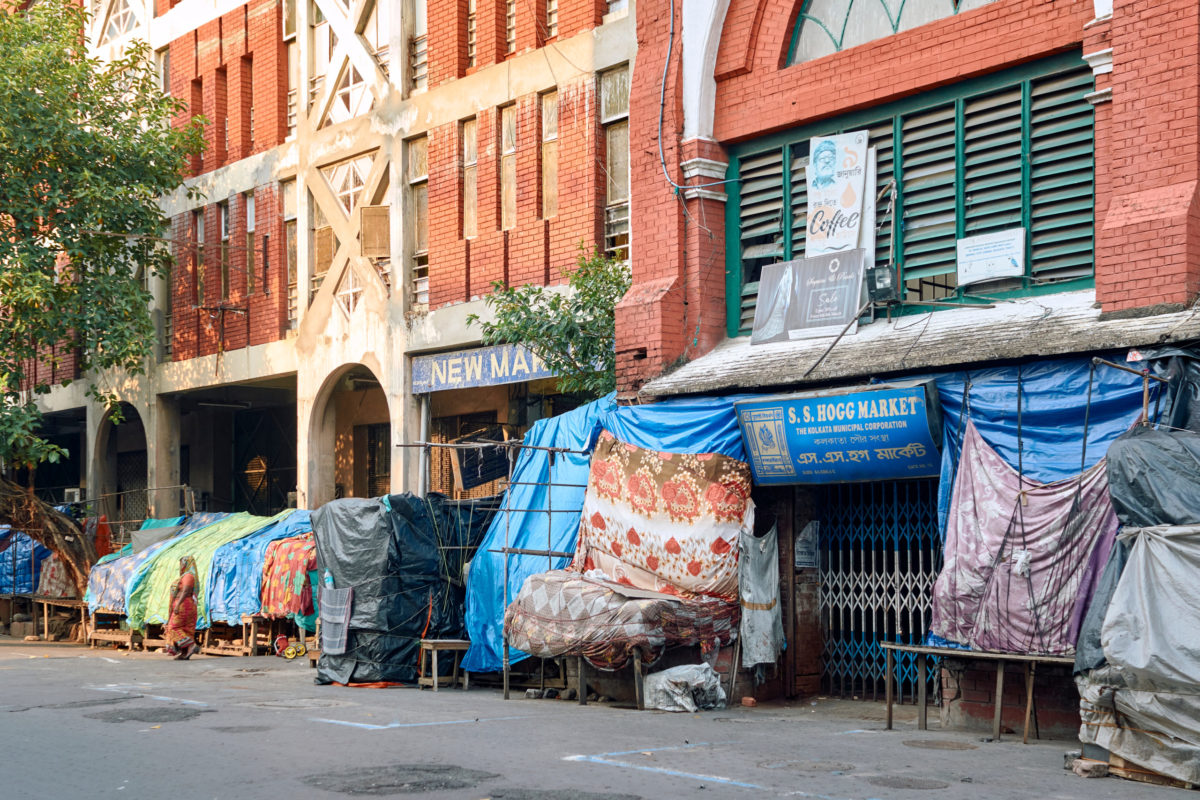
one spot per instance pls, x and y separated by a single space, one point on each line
122 492
350 437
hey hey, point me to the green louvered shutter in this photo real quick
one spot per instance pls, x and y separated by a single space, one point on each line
1062 194
928 217
799 198
991 193
760 224
881 138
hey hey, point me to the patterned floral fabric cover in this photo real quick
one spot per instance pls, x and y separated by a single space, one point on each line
657 522
563 613
664 521
286 591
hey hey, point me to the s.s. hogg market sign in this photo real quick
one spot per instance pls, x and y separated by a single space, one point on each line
483 366
843 436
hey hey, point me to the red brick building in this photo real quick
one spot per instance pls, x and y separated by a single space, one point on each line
370 170
1076 123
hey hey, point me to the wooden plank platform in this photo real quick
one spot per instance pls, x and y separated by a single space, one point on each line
1130 771
246 639
105 626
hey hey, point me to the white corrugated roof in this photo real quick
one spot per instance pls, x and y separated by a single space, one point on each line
1034 326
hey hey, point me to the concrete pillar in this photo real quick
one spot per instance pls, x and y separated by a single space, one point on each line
162 456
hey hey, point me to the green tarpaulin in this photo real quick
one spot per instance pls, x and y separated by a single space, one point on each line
148 599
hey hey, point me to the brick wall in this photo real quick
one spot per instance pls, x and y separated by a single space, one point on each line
675 309
447 42
233 71
968 689
755 96
1148 241
1147 144
244 315
535 250
225 68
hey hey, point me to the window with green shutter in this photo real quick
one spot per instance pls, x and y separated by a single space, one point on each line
1008 150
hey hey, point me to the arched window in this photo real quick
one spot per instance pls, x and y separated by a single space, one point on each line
121 20
824 27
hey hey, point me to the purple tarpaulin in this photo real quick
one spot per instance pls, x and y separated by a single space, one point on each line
1017 554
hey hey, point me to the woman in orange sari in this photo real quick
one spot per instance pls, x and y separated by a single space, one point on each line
180 631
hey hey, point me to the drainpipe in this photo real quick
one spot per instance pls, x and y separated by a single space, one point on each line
423 463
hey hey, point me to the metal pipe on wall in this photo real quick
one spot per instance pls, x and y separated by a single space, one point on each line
423 462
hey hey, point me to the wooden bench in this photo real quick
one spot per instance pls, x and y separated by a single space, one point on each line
923 652
431 648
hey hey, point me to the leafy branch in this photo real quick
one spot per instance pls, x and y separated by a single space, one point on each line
572 331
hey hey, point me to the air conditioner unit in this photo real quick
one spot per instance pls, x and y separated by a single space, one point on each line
73 495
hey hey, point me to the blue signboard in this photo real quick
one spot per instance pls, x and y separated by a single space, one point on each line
844 436
483 366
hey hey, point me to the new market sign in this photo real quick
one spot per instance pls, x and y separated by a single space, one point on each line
483 366
843 436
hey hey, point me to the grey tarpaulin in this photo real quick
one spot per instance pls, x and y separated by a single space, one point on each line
1154 477
758 590
1145 704
403 556
142 539
1088 652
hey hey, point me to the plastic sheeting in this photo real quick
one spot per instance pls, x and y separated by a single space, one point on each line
687 425
148 594
109 580
236 576
141 539
20 562
526 526
1150 629
1154 477
402 556
1145 704
1054 403
688 687
1089 653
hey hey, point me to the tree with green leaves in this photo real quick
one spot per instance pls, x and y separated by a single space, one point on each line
86 151
573 332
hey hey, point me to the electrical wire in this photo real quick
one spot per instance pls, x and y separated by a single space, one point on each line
662 105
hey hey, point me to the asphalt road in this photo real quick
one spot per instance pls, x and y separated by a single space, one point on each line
79 723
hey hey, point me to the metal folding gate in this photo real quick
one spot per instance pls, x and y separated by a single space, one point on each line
880 553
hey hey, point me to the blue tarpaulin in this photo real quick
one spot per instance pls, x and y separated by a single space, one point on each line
235 577
686 425
108 580
1054 402
689 425
17 573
